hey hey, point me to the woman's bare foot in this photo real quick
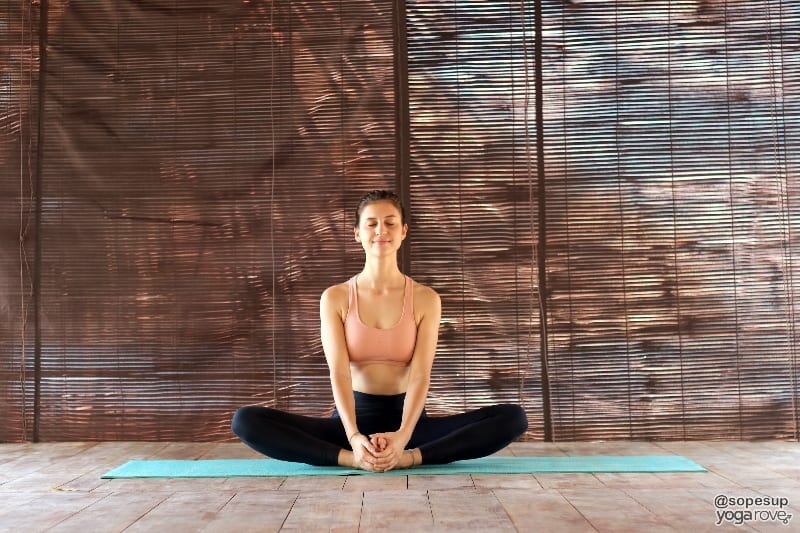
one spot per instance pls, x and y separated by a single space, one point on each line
410 459
347 458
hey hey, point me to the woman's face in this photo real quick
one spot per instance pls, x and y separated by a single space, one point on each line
380 229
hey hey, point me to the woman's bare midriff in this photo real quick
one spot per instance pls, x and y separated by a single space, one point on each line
379 378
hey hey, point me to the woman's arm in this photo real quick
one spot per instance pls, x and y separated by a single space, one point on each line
335 348
419 378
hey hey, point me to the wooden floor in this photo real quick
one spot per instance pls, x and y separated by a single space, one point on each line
57 487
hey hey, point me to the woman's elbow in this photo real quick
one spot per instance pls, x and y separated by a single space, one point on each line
419 379
340 375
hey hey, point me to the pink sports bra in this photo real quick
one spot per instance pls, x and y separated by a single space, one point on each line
393 346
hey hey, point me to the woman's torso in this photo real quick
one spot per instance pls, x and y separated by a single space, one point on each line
380 330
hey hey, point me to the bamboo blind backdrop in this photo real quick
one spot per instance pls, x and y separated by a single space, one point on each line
607 190
671 131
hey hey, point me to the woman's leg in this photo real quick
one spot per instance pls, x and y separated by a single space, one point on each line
313 440
468 435
290 437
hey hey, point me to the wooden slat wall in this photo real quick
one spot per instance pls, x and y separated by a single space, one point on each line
200 162
673 218
671 207
19 44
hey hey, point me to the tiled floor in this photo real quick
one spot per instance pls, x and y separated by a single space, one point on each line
57 487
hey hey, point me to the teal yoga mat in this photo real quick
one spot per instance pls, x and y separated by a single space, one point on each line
485 465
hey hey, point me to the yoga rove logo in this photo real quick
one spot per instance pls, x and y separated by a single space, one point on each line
738 510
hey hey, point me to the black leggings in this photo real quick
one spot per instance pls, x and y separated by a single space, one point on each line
318 440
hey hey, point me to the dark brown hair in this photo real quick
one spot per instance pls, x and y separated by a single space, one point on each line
378 196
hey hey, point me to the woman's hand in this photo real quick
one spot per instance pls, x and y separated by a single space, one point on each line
389 449
364 453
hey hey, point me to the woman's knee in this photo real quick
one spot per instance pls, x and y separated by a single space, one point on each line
515 419
244 419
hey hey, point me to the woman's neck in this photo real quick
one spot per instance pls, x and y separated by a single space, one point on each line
381 275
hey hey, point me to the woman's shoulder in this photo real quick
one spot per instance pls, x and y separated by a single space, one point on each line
335 296
425 296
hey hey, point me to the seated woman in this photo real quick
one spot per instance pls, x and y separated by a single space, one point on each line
379 334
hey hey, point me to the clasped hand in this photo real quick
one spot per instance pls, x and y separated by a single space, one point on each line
380 452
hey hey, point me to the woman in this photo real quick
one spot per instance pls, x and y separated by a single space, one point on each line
379 334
